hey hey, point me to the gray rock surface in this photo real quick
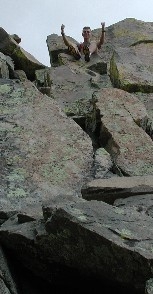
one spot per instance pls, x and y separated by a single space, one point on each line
50 162
121 114
44 153
22 59
4 71
93 237
108 190
131 68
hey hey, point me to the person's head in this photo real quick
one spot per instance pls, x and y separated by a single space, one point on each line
86 33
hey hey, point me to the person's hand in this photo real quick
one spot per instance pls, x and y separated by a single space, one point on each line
62 28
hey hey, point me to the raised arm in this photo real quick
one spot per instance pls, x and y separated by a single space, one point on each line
66 42
102 38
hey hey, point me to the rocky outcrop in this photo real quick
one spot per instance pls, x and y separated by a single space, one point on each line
22 59
131 68
77 165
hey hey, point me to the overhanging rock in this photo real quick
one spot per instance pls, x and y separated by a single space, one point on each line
108 190
22 59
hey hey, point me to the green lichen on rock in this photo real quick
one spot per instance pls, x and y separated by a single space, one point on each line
120 79
119 210
79 107
5 89
114 74
135 35
125 234
55 173
26 62
16 179
57 169
16 193
17 94
101 152
17 174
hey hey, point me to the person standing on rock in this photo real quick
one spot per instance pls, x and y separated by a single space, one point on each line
88 47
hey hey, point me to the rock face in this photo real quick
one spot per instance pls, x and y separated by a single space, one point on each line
108 190
22 59
122 114
76 176
131 68
44 152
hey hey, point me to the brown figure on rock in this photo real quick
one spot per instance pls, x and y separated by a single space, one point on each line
88 47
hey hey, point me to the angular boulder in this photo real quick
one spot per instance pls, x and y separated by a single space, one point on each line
22 59
131 68
108 190
43 151
121 115
93 238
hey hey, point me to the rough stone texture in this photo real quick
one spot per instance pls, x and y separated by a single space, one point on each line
143 203
129 31
108 190
4 72
16 38
3 287
73 90
20 74
6 67
42 77
68 87
43 151
130 147
46 155
123 34
147 99
22 59
73 93
7 284
95 238
43 81
102 163
149 287
131 69
56 45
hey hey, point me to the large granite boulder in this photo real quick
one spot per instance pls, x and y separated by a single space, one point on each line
131 68
123 34
93 237
121 116
44 153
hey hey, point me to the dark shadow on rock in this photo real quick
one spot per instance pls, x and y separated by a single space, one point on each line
28 283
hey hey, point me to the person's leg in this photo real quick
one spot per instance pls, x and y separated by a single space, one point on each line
73 49
86 52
